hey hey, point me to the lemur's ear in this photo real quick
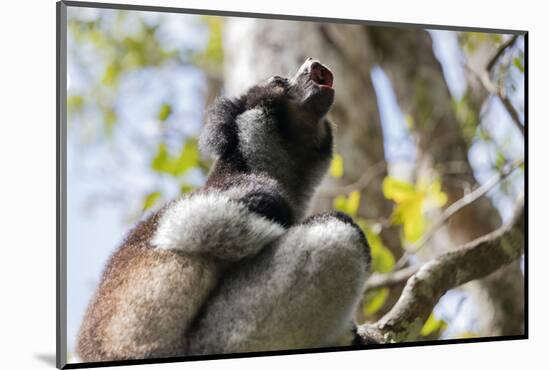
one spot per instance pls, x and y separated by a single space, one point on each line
219 136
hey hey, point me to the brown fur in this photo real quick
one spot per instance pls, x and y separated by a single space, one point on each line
139 309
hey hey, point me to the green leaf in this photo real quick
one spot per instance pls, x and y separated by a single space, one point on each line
150 200
518 63
186 188
75 103
432 325
212 55
374 301
188 158
110 118
161 161
337 166
111 74
500 161
164 112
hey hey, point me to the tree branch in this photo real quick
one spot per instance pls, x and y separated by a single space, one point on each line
472 261
483 78
467 200
505 45
390 279
457 206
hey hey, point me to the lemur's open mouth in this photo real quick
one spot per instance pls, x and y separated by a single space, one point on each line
321 75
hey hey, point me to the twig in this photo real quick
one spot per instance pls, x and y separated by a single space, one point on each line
390 279
505 45
488 85
423 290
362 183
457 206
467 200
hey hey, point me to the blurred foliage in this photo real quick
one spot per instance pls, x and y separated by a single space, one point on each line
433 327
177 165
348 204
410 203
211 58
117 53
472 40
374 301
151 199
107 47
467 335
337 166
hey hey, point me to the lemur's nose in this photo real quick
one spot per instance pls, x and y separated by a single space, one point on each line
307 65
318 73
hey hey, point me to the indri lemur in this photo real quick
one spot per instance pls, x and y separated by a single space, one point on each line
234 266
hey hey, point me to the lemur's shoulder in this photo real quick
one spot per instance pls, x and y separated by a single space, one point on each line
261 194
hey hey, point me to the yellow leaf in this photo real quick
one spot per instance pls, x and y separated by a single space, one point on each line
414 222
353 202
466 335
435 194
374 301
382 258
409 121
432 325
340 203
397 190
337 166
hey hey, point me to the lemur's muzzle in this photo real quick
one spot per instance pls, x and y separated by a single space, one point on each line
318 73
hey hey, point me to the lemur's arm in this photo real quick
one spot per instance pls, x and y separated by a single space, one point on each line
237 214
218 225
219 136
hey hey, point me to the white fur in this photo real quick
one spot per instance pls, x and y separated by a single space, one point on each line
299 293
216 225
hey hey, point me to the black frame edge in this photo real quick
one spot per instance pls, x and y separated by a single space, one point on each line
526 183
292 352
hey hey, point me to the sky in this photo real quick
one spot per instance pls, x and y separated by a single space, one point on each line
107 178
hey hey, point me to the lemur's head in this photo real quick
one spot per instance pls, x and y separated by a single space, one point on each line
277 128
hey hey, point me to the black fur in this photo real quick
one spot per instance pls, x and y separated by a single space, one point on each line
270 205
220 137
